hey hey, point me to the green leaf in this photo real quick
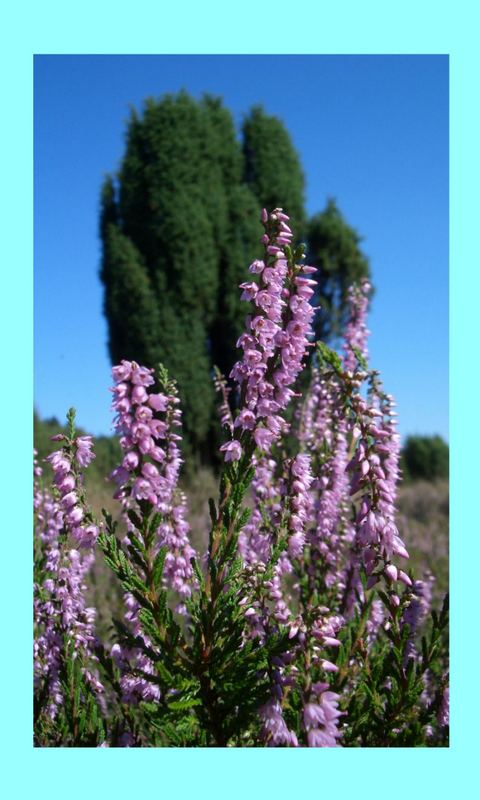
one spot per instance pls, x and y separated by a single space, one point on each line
134 518
327 356
360 358
148 623
198 572
158 565
213 510
136 557
183 705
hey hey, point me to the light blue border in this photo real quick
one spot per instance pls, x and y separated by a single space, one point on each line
212 27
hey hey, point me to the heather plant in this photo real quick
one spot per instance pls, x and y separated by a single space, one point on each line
301 625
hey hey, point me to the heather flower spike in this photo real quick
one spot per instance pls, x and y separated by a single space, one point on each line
275 341
64 624
151 464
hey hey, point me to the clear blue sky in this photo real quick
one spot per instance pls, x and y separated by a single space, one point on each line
371 131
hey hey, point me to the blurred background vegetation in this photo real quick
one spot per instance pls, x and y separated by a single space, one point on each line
425 458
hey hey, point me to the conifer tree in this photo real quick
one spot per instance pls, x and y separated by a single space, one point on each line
238 229
177 235
272 166
159 261
334 248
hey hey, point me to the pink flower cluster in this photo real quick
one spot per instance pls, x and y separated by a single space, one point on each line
65 463
324 630
151 464
320 717
356 332
443 715
146 422
315 415
331 531
375 472
140 430
416 612
275 732
271 501
275 342
300 500
59 603
254 541
135 687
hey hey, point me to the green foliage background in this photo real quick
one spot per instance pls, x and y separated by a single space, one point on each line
425 458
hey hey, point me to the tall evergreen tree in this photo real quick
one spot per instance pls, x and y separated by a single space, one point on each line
177 235
159 258
238 233
129 301
162 203
272 167
334 248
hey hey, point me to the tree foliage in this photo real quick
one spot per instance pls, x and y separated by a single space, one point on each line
334 248
425 458
272 166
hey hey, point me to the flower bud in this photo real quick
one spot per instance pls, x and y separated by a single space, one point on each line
402 576
391 572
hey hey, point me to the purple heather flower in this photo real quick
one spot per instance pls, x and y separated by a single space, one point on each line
443 715
232 450
320 718
59 606
275 732
377 538
263 437
391 572
146 422
64 477
356 333
159 402
277 337
415 613
84 450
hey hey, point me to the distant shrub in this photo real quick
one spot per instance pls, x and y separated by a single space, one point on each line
425 458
